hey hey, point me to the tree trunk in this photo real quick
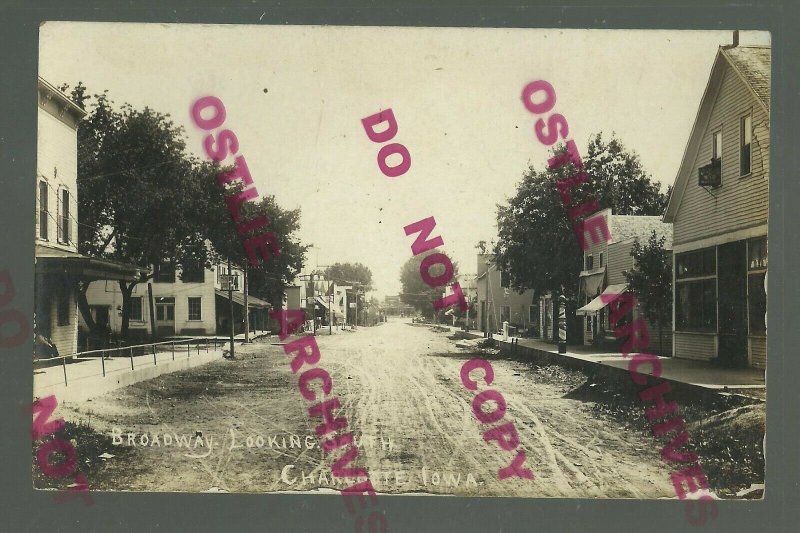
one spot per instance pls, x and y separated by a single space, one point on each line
126 291
83 306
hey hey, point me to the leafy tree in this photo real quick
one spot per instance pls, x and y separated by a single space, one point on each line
268 279
536 243
350 273
416 292
135 192
651 281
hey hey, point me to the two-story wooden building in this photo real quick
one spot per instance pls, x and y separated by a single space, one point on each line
498 302
187 300
719 211
58 265
604 267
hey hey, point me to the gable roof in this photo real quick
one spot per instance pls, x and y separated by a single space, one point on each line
628 227
752 63
752 66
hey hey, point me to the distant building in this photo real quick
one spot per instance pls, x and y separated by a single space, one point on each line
58 265
394 306
498 302
719 211
604 264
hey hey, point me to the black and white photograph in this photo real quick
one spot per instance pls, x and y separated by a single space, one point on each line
401 260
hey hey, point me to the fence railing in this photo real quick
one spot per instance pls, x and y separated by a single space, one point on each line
177 348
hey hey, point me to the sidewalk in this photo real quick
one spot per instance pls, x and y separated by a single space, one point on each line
703 374
85 379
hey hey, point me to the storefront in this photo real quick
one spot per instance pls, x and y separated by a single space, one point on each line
720 303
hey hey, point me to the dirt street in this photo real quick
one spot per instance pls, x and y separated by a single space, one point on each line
242 426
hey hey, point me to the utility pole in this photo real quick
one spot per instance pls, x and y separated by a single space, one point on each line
230 303
311 297
151 305
246 309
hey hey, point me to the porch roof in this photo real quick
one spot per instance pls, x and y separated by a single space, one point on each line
56 261
238 298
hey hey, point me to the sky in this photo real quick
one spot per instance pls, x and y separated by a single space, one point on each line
295 97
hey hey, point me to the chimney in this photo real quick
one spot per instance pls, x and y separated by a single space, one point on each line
735 38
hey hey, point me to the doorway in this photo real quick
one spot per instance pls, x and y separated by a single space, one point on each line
732 297
165 317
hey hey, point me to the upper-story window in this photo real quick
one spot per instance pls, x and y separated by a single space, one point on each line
589 262
164 273
505 280
745 138
44 211
64 226
193 271
716 145
601 260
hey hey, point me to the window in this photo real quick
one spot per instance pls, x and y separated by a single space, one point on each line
533 314
589 262
43 210
164 273
745 138
195 307
716 145
696 264
757 253
193 272
505 314
64 233
601 260
136 308
756 294
696 305
63 307
505 280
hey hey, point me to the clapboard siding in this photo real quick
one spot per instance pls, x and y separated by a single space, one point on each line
619 260
695 345
740 202
758 352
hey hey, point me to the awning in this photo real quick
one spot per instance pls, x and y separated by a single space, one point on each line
591 281
611 293
56 261
238 298
322 301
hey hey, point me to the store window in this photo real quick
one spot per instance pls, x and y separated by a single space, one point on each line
696 264
696 305
756 294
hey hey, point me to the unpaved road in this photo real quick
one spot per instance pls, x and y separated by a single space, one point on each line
400 390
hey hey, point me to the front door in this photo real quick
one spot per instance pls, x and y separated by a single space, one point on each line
165 317
732 297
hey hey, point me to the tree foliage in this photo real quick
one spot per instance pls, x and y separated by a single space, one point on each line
536 243
416 292
143 200
651 280
350 274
